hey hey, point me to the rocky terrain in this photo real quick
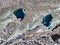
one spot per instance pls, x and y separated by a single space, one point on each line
29 31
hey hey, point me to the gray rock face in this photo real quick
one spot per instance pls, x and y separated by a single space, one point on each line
35 10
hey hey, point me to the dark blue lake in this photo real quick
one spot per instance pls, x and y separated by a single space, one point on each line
46 20
19 13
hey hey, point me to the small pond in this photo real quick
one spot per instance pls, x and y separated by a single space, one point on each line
47 19
19 13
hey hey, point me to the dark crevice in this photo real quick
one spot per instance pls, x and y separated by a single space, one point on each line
55 37
56 27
